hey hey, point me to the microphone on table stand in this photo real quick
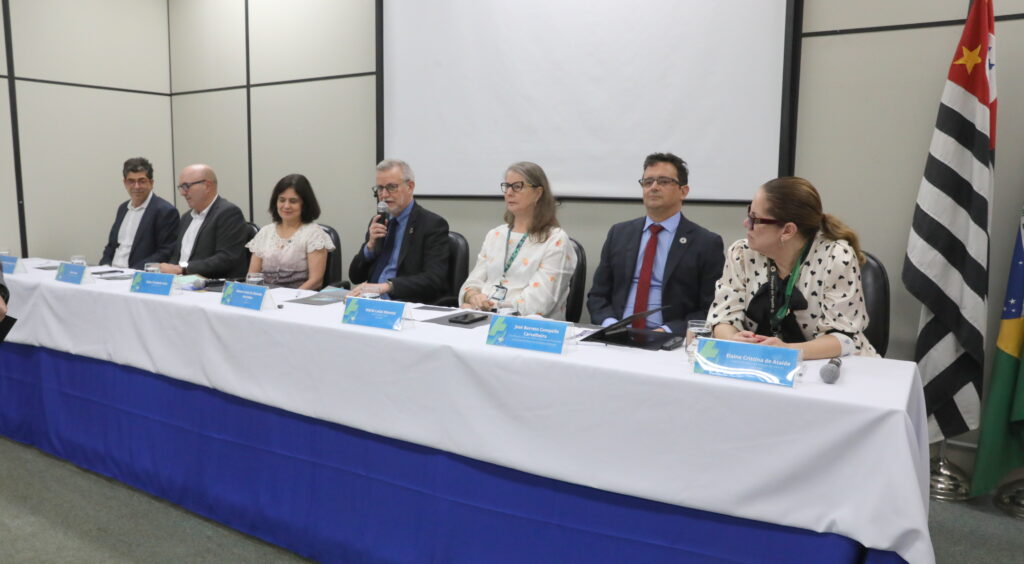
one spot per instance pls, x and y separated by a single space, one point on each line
830 372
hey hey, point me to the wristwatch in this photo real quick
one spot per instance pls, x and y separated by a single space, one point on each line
184 266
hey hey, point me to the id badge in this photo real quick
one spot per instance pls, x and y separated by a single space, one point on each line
499 293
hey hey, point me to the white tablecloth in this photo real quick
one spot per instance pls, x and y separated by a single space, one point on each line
849 458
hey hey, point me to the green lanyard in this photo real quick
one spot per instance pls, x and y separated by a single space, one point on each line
510 259
778 316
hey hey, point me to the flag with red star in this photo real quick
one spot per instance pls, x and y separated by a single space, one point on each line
946 265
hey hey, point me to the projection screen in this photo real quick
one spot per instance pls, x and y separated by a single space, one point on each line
586 89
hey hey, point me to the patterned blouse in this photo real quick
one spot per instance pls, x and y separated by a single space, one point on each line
827 297
538 279
284 260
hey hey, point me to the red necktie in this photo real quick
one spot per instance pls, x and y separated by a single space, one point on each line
643 286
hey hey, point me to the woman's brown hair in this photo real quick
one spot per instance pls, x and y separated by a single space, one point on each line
794 199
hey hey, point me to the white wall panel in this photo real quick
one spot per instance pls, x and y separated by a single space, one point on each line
3 47
821 15
74 142
325 130
207 44
210 128
10 237
310 38
119 43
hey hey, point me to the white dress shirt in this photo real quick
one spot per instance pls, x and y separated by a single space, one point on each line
126 235
189 239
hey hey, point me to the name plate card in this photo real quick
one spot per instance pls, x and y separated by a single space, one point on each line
747 361
12 264
524 333
155 283
73 273
248 296
369 312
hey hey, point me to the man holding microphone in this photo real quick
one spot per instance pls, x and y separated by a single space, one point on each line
405 255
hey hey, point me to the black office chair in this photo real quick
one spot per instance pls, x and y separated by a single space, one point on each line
875 282
251 232
458 268
332 273
577 284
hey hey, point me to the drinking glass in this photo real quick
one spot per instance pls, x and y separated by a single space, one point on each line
695 329
255 278
152 267
78 259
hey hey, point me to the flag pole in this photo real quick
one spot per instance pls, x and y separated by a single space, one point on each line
948 481
1010 498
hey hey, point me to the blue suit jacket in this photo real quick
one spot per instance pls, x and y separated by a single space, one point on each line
691 270
155 237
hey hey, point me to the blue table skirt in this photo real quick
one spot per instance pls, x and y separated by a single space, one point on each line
338 494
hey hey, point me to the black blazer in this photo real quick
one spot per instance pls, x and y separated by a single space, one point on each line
691 270
154 239
219 250
422 261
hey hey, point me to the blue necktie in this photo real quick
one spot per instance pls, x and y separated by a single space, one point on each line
384 256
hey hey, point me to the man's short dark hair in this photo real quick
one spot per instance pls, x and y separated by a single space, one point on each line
137 164
303 189
680 164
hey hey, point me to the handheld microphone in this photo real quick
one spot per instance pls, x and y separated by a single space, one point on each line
830 372
382 211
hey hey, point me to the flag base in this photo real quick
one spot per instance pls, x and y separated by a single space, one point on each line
1010 498
948 481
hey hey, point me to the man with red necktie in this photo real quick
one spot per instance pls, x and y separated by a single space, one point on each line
662 259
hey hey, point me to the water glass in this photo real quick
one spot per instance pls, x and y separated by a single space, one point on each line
695 329
152 267
254 278
78 259
5 252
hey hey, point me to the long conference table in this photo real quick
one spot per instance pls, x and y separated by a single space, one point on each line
353 444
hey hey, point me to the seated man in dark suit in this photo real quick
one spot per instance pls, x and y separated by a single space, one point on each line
146 226
212 234
662 259
405 256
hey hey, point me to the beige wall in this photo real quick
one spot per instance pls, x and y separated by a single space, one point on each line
75 139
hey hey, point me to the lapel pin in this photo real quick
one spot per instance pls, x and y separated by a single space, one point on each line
682 240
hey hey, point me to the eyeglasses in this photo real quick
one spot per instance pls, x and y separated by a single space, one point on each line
186 186
515 186
661 180
389 188
137 181
751 221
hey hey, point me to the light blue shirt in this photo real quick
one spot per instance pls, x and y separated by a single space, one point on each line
391 269
665 238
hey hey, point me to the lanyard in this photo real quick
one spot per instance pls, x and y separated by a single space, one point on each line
783 311
510 259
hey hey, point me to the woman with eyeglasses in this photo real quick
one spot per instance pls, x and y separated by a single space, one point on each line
524 264
795 280
292 251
